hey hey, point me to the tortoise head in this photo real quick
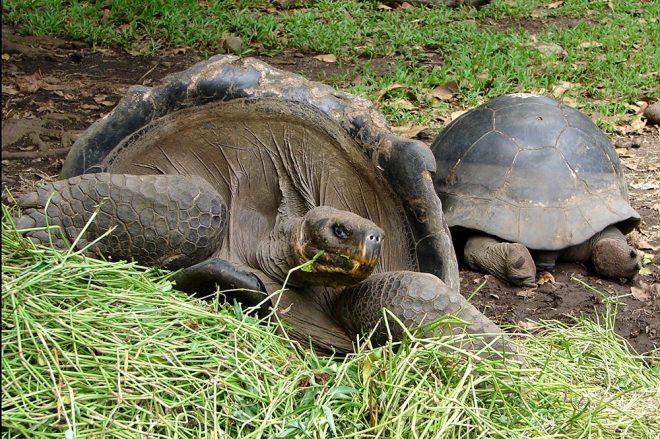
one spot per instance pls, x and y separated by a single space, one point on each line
350 246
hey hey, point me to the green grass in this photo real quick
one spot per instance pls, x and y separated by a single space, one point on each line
487 51
98 349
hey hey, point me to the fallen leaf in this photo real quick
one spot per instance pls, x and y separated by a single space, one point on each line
637 124
554 5
445 91
409 130
645 271
5 56
329 57
29 83
9 89
526 293
396 86
384 7
546 277
647 185
405 5
405 104
559 90
356 80
549 48
647 258
456 114
528 325
642 292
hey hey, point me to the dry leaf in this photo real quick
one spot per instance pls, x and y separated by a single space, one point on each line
405 104
456 114
356 80
640 294
29 83
647 185
405 5
526 293
384 7
5 56
637 124
410 130
9 89
445 91
396 86
528 325
555 5
549 48
566 100
546 277
329 57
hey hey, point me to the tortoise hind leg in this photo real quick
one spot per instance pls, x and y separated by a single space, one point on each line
508 261
415 299
609 254
167 220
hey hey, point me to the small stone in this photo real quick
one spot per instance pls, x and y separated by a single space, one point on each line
652 113
232 44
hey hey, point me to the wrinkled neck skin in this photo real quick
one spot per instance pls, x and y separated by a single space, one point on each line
278 254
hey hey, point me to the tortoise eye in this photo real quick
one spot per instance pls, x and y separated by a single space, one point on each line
341 231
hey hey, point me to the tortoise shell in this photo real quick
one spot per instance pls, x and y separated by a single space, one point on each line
529 169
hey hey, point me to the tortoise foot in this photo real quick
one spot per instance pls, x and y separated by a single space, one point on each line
614 258
415 299
235 282
166 220
509 261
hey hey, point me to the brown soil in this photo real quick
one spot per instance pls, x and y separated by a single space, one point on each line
53 89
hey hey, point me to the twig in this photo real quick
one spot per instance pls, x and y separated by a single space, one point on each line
34 154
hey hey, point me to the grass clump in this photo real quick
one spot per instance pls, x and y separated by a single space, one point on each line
99 349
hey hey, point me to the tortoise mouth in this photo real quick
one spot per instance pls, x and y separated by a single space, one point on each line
334 268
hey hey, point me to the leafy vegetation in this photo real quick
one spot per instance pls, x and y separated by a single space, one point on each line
98 349
601 56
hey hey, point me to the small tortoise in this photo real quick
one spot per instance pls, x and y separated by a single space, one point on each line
524 173
238 172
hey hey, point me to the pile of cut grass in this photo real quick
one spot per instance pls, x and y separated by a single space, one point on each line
98 349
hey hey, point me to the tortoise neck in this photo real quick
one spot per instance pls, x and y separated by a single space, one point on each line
277 254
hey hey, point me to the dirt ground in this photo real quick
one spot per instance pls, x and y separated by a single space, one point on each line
53 89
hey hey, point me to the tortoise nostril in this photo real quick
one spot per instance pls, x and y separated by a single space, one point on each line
374 237
633 254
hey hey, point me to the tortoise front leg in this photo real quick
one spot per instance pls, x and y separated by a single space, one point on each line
415 299
171 221
508 261
608 252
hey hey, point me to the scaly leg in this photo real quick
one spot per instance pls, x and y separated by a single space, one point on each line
415 299
171 221
508 261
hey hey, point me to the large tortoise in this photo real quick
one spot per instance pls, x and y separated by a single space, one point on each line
238 172
524 172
